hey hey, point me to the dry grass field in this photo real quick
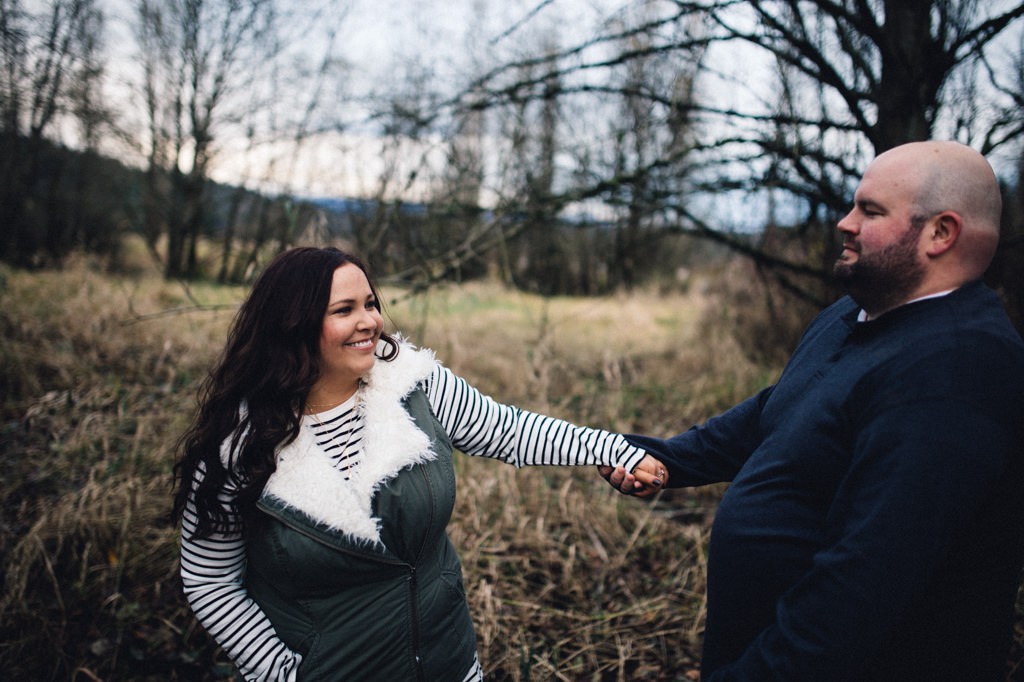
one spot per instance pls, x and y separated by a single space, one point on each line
567 579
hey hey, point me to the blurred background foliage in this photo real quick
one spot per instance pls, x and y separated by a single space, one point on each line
557 161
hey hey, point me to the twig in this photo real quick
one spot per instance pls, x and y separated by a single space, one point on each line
181 310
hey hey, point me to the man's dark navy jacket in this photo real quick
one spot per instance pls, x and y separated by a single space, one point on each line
874 527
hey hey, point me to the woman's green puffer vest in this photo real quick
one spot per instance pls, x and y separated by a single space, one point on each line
358 611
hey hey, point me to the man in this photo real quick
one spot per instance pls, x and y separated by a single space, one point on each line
874 526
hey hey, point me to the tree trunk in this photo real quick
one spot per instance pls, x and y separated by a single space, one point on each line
912 71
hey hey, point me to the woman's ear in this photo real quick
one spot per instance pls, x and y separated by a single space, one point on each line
942 232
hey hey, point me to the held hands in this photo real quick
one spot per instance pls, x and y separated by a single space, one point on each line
648 478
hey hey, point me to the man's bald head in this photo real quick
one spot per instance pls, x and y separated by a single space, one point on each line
949 176
925 220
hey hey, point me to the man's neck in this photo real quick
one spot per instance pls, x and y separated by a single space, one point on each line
865 316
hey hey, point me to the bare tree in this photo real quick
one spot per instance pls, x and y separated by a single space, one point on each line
49 72
306 83
196 56
652 141
584 124
1009 123
535 143
855 78
816 88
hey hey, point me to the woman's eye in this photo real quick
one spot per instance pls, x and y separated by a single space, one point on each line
343 311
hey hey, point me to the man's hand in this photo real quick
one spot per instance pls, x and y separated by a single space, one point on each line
648 478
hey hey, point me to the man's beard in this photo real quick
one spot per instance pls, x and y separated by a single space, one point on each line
881 281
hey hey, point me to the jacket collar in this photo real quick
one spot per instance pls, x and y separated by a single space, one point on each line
305 479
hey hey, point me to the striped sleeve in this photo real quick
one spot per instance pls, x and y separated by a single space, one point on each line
213 575
481 426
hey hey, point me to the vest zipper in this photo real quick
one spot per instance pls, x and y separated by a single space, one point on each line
415 625
413 582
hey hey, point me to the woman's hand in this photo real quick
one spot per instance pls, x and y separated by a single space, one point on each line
649 477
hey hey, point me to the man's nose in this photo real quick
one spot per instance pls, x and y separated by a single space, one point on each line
847 224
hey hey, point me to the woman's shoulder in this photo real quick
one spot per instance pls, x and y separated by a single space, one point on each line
398 377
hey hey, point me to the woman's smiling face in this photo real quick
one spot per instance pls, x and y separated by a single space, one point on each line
351 328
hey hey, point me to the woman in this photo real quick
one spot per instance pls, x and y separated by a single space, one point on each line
316 482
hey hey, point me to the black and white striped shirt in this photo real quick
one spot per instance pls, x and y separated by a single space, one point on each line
339 433
213 569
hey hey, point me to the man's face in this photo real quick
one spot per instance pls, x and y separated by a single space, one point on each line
881 265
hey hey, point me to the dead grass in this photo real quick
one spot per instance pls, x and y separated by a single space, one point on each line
567 580
639 362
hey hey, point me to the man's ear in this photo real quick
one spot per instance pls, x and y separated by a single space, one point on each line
942 232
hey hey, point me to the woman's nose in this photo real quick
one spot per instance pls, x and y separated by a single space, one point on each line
366 320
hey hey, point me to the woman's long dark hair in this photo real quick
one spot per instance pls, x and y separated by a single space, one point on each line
257 391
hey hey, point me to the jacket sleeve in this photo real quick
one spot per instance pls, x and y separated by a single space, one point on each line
481 426
712 452
213 577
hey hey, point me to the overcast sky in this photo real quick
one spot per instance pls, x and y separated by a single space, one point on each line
383 42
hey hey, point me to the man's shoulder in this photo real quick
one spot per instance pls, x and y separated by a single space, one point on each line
977 312
965 337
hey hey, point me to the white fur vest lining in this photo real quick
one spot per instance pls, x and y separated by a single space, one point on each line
305 479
